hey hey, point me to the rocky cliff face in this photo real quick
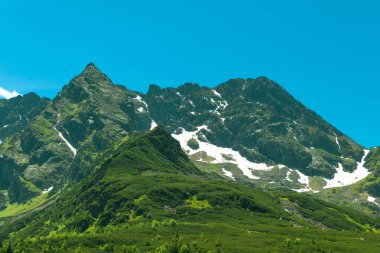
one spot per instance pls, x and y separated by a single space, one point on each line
244 129
16 113
260 120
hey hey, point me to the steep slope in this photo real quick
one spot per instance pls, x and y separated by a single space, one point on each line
65 140
248 130
17 112
365 194
93 114
257 126
147 189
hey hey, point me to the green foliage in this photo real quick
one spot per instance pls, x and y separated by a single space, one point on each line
108 247
193 144
198 204
184 249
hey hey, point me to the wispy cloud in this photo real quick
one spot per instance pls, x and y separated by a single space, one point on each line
8 94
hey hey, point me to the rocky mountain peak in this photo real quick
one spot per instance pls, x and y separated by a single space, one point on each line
90 83
93 75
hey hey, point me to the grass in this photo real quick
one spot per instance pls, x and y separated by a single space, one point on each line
198 204
317 183
206 232
148 197
16 209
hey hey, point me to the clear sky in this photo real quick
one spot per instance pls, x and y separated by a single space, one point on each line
325 53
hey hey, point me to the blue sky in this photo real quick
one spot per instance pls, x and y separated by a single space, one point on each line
325 53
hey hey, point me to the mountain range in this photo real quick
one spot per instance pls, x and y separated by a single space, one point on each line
100 159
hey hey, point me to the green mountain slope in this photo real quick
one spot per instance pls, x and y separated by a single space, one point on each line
63 142
147 196
249 130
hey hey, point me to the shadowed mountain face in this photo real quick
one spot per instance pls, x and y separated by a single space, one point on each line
259 119
16 113
250 128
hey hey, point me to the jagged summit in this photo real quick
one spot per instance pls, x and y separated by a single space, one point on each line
90 64
90 83
246 124
93 75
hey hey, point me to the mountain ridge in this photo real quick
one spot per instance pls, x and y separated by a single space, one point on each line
275 135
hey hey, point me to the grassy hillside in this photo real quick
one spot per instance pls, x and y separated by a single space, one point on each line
148 197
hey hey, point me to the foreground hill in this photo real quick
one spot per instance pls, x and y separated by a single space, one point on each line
147 196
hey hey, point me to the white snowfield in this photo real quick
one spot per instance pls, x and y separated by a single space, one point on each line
221 155
227 155
343 178
228 174
66 141
8 94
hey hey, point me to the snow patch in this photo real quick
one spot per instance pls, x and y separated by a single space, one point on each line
288 175
216 93
220 154
303 179
337 141
228 174
372 199
343 178
153 125
47 190
220 104
66 141
139 98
